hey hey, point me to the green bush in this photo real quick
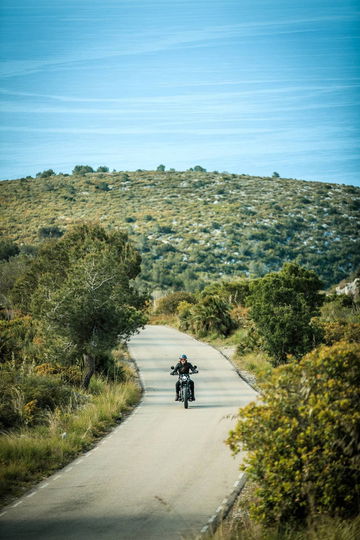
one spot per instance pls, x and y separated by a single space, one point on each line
169 303
17 336
340 331
235 292
251 341
282 305
8 249
106 365
25 398
81 170
211 315
50 232
45 174
302 437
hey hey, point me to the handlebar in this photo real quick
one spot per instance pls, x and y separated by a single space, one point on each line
196 371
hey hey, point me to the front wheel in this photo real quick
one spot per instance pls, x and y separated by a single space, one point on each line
186 396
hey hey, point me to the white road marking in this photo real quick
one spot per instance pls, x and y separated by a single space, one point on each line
17 504
57 477
3 514
69 469
44 485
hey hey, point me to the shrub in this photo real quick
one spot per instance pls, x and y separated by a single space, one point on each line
16 337
302 438
108 367
50 232
67 374
8 249
47 391
27 397
169 303
210 315
340 331
251 341
235 292
103 186
81 170
45 174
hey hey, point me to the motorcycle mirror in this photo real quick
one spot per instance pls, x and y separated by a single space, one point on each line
195 367
172 367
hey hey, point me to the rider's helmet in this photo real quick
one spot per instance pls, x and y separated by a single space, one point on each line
183 357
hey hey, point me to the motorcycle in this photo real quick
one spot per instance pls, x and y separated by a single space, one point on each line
184 389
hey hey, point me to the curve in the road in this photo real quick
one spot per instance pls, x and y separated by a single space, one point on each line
160 474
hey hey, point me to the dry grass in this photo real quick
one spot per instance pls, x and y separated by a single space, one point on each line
31 454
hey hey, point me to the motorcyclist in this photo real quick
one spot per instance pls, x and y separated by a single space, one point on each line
183 366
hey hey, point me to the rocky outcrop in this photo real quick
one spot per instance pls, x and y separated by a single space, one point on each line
350 289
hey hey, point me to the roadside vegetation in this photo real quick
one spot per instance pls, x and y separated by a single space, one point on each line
40 446
66 313
302 346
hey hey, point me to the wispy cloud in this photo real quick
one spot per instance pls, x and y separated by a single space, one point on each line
136 130
155 41
277 91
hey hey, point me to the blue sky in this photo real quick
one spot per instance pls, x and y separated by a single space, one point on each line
245 86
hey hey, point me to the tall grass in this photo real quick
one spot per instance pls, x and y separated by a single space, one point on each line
239 525
32 453
256 363
320 528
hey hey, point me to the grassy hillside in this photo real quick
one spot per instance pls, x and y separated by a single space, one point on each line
193 227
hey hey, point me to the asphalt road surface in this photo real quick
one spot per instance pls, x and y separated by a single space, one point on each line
162 473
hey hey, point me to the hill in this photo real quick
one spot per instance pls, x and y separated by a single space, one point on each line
192 227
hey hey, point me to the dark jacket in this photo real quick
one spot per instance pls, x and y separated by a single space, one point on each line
183 368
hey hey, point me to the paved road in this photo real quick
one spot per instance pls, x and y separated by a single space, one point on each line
162 473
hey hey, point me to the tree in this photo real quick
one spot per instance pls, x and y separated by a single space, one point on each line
81 170
79 288
198 168
102 168
161 168
282 305
234 292
45 174
275 174
302 437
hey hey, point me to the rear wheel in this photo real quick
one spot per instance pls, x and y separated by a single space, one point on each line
186 396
